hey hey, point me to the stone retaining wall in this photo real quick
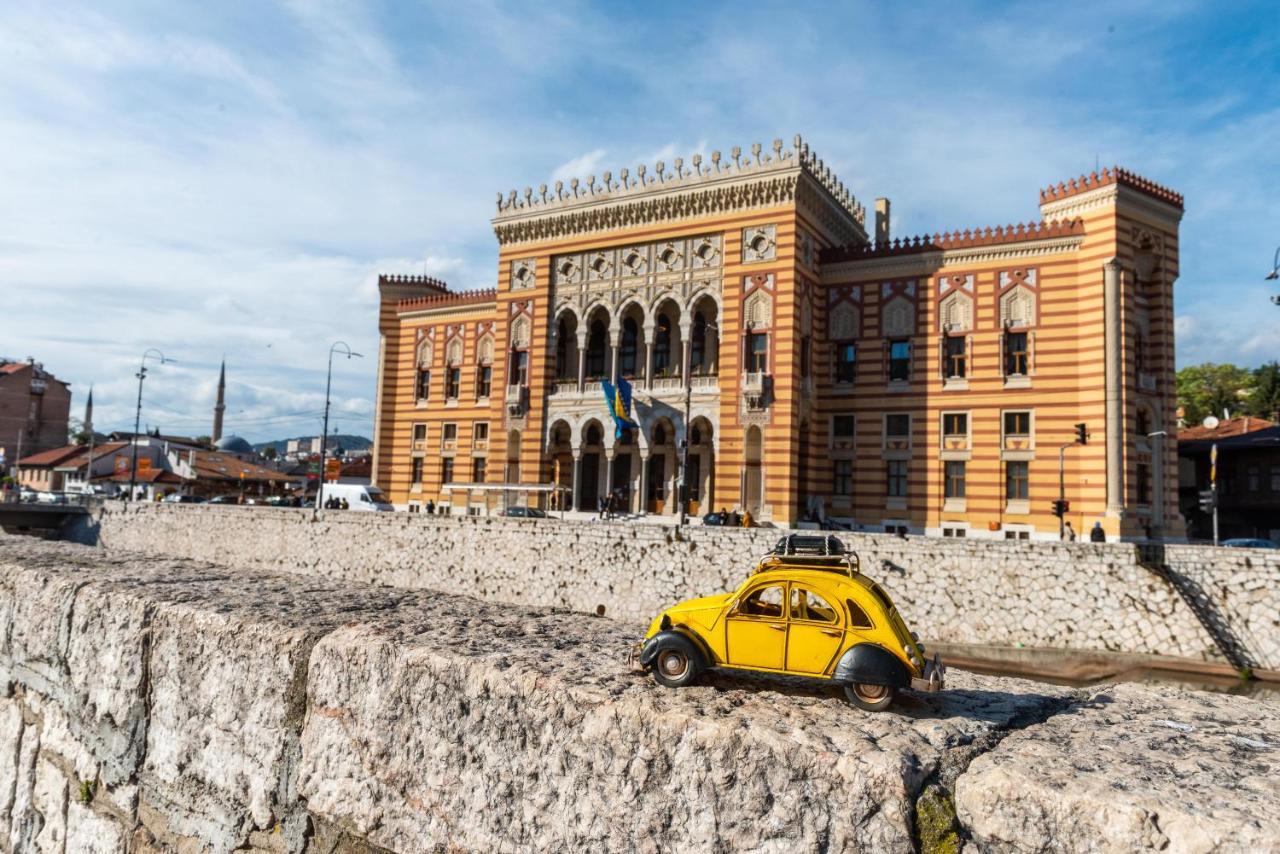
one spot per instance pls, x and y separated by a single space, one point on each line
1108 597
164 705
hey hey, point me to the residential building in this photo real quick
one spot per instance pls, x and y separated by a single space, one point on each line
35 411
814 366
1248 474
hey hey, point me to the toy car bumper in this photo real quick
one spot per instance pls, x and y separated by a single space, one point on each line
932 678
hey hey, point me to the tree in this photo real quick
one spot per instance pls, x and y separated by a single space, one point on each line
1264 399
76 434
269 452
1211 389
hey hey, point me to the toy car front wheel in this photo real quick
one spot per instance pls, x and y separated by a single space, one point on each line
869 698
677 662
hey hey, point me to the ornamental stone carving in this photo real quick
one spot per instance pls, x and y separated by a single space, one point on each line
453 355
1018 308
425 353
524 274
520 333
955 312
757 311
484 350
759 243
845 323
898 318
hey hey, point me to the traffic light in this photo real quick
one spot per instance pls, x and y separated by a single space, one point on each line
1208 500
1061 507
1082 434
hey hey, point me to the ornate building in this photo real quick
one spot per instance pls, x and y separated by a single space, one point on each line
812 366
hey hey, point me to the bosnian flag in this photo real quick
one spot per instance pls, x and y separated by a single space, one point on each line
618 400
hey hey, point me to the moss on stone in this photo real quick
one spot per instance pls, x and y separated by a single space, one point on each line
936 822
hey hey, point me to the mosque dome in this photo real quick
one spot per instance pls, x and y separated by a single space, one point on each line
234 445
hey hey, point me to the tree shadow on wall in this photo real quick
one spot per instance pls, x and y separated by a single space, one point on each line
1152 558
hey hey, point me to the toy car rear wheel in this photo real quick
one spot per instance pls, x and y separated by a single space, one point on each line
870 698
678 662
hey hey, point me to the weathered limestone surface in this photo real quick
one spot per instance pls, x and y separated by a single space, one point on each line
250 710
1109 597
1131 767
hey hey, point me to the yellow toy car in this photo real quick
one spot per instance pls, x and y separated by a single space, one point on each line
806 610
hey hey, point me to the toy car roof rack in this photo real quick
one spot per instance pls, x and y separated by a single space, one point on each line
815 551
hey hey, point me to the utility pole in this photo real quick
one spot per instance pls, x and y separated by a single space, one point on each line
1061 506
1213 486
137 416
324 433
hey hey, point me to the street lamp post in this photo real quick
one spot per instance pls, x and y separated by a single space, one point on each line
324 434
1275 274
137 416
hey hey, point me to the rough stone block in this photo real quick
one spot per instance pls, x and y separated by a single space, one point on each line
1132 767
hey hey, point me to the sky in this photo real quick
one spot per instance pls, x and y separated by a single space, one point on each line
226 180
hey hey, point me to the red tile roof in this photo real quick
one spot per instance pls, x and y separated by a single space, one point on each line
1231 427
209 465
12 367
52 457
149 476
99 451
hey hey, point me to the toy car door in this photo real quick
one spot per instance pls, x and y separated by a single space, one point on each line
757 629
816 633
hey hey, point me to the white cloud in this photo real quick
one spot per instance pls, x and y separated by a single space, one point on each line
579 167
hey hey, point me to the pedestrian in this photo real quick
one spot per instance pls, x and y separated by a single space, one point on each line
602 504
1070 534
431 507
345 505
1097 535
747 521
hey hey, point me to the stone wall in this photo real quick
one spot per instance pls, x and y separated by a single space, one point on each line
1112 597
166 705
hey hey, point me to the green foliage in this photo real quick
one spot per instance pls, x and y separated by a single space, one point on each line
87 790
1209 389
936 822
1264 400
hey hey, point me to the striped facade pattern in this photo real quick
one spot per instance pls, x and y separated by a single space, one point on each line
825 438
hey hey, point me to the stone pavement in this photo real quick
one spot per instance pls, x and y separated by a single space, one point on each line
167 704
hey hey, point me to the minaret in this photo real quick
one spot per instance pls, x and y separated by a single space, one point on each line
221 405
88 413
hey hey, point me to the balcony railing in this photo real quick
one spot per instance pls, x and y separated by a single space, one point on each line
660 383
753 382
515 398
706 382
564 387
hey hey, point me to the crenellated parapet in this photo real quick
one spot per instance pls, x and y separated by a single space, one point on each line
968 238
1114 175
481 295
700 188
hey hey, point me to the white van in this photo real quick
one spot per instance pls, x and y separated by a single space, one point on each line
367 499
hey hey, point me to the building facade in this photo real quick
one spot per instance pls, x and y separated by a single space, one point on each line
814 366
35 411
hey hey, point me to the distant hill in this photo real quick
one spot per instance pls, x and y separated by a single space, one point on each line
346 441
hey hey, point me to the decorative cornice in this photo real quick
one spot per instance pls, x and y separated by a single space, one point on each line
1114 175
1135 202
922 263
722 186
966 239
446 301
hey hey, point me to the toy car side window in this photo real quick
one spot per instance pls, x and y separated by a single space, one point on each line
765 602
807 605
858 618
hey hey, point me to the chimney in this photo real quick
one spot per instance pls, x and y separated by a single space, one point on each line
882 220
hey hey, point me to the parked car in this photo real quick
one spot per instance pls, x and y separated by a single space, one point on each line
366 499
230 498
51 498
524 513
805 610
1250 543
175 498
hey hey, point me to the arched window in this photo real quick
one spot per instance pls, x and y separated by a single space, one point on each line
659 434
597 347
484 367
662 345
593 434
629 348
564 370
698 344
